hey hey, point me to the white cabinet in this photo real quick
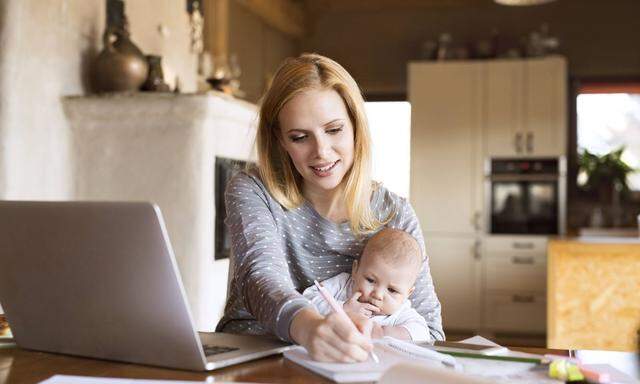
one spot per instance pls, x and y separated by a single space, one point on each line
462 113
447 180
514 275
526 112
446 158
456 270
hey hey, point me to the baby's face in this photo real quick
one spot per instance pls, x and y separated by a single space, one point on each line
382 284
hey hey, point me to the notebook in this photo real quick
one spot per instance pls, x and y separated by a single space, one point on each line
390 352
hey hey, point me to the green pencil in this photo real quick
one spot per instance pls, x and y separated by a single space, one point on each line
495 357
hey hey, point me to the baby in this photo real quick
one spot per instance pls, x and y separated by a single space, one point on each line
379 285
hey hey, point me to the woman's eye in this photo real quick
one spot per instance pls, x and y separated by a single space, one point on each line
297 138
335 130
369 279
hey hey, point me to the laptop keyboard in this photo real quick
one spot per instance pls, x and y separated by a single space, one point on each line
210 350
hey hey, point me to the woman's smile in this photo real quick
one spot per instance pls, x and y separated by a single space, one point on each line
324 169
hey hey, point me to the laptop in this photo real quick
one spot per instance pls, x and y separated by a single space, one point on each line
99 279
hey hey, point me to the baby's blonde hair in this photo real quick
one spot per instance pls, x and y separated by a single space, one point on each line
394 246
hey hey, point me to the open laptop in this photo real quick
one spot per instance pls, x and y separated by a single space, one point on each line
100 280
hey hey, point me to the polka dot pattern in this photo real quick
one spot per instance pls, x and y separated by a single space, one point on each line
277 253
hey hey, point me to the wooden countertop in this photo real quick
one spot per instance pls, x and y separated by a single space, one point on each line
593 294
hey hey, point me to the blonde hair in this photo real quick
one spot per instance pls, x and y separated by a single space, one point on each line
296 75
395 247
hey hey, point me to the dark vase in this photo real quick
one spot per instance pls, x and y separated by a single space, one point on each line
121 66
155 78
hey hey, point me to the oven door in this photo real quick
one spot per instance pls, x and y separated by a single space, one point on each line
524 205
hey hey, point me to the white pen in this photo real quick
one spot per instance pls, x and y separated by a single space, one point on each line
338 309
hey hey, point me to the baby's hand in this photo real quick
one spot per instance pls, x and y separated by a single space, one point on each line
377 332
354 306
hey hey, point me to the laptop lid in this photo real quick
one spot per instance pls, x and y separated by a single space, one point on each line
95 279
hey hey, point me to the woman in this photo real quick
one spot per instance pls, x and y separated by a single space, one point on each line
307 211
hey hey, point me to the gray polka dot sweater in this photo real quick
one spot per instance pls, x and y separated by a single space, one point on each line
277 253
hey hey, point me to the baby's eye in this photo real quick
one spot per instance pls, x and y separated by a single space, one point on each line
369 279
392 290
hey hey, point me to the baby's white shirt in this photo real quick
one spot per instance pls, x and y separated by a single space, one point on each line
341 288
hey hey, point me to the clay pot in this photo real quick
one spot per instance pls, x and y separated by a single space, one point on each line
121 66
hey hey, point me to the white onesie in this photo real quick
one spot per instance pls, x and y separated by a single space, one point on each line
341 288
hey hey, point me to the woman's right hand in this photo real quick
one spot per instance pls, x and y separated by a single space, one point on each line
332 338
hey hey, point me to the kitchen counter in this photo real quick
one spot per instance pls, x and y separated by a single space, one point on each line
593 293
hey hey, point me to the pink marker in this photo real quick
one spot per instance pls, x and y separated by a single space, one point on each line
337 308
594 376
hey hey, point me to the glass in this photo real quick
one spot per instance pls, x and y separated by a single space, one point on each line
607 121
527 207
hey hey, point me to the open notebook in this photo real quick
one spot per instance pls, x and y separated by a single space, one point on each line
390 351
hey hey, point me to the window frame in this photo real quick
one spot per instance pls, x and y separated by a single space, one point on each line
591 84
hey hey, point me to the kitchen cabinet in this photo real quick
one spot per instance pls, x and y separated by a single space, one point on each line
514 275
456 270
446 150
526 113
447 181
464 112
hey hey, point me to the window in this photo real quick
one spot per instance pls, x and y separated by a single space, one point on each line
390 127
609 118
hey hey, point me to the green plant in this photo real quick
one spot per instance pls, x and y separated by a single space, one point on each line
605 174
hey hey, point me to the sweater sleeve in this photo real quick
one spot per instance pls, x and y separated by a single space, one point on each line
259 257
424 298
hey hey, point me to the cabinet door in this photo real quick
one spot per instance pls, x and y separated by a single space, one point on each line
446 162
455 268
545 125
504 105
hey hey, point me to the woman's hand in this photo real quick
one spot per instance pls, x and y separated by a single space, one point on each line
354 306
332 338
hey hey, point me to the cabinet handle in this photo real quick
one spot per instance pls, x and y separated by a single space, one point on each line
529 142
523 298
476 221
476 250
518 142
522 245
522 260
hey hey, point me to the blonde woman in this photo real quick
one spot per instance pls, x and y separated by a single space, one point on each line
306 212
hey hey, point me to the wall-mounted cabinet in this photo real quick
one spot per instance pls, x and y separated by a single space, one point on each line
525 104
446 151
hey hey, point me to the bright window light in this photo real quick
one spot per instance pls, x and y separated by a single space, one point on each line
607 121
390 126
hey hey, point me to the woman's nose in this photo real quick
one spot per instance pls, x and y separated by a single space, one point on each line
322 147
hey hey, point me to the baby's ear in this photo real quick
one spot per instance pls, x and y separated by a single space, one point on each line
411 290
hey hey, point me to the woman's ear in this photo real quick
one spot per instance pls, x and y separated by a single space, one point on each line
354 267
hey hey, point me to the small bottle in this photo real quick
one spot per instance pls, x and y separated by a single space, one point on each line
444 46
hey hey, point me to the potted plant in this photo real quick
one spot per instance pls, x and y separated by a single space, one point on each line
606 176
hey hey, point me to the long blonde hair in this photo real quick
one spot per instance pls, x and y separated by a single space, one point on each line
296 75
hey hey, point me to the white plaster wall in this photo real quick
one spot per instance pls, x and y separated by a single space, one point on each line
46 48
44 44
162 148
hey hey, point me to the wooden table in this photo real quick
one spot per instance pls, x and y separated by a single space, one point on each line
22 366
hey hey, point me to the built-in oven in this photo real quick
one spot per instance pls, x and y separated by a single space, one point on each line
526 196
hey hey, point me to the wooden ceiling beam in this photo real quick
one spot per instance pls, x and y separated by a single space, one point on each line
286 16
315 6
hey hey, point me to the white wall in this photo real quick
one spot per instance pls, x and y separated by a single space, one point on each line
45 51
